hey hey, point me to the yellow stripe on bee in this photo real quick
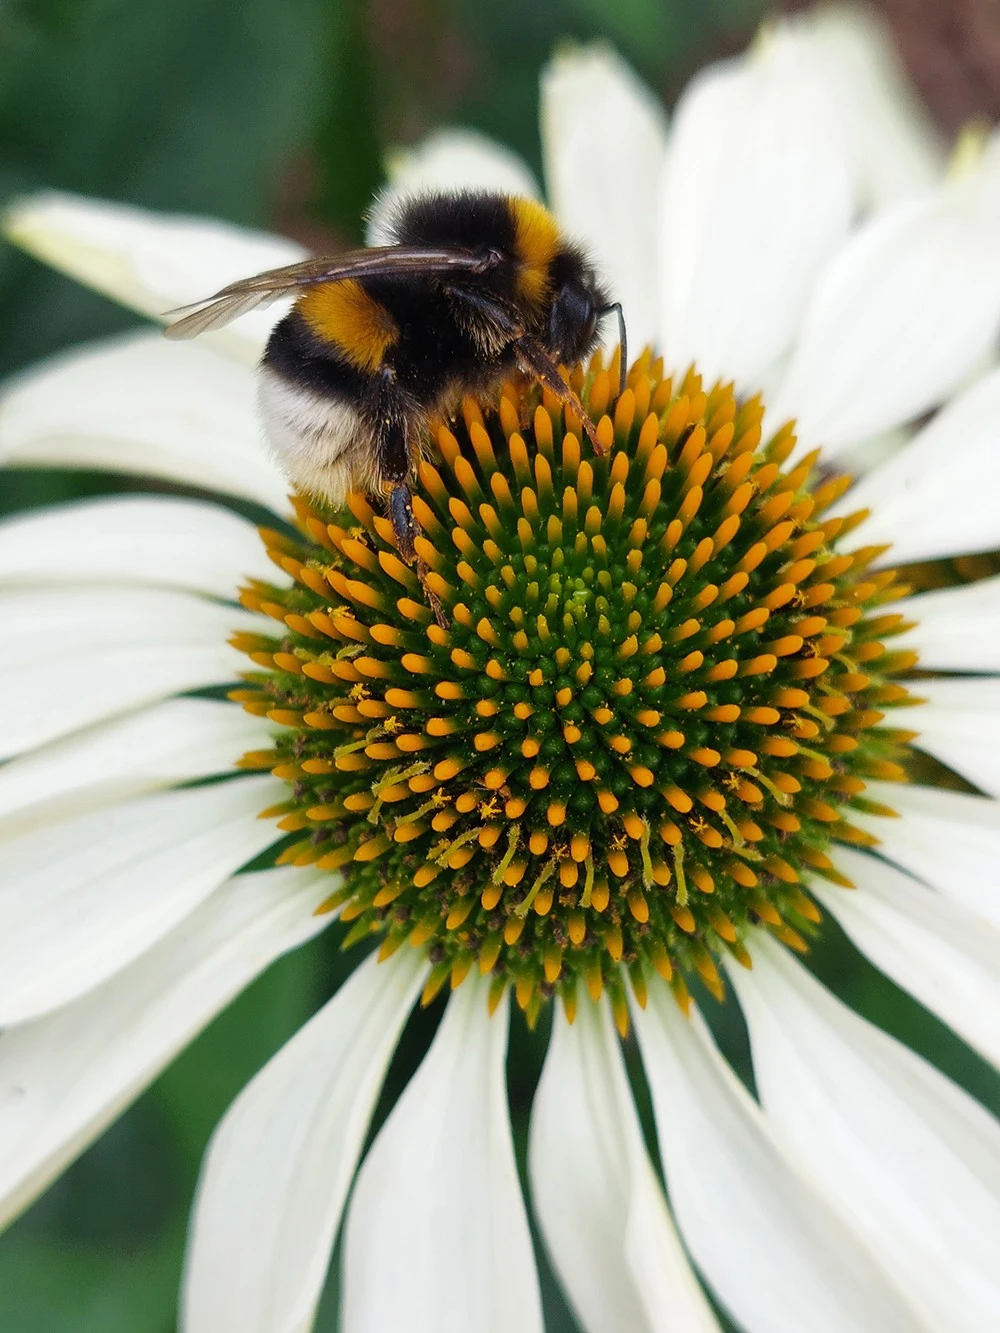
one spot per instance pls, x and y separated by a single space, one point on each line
537 241
344 314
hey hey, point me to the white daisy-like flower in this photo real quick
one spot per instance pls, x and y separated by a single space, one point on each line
657 740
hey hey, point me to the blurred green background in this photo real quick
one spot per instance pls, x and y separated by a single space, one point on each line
278 113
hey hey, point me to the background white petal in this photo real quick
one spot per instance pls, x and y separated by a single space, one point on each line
948 839
142 405
857 460
65 1077
438 1192
907 309
937 496
604 137
150 261
172 742
960 725
776 1255
447 160
898 149
282 1159
910 1157
135 539
757 194
70 660
957 629
596 1195
83 899
935 948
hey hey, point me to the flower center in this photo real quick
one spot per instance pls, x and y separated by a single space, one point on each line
653 707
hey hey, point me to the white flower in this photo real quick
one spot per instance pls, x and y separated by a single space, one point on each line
795 231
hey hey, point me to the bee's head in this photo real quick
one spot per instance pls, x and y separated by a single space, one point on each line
578 301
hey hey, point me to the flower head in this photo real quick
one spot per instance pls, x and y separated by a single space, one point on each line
652 708
657 738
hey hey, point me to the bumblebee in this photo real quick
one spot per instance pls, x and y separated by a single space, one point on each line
474 288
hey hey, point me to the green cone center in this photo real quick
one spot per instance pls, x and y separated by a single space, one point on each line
658 695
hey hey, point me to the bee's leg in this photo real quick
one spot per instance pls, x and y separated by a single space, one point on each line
533 358
393 462
395 468
404 525
433 600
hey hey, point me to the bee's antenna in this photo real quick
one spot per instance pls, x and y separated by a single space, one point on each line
616 306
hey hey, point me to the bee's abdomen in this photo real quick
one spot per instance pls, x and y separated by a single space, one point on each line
302 358
309 403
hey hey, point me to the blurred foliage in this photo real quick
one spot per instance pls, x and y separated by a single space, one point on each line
279 114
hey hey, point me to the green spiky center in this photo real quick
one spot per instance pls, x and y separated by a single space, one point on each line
654 704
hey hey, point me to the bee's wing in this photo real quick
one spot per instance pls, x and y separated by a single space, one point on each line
379 261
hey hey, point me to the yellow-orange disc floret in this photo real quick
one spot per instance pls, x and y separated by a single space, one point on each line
657 699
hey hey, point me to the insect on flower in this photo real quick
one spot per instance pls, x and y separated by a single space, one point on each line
477 286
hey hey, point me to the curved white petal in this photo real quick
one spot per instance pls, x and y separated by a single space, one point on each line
176 741
937 495
598 118
71 659
80 900
447 160
935 948
960 725
134 539
281 1161
948 839
142 405
776 1255
439 1192
858 460
757 194
957 629
65 1077
905 312
150 261
897 148
910 1157
596 1195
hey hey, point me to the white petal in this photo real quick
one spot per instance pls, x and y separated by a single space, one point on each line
771 1248
758 193
958 629
281 1161
858 460
948 839
150 261
604 137
70 659
897 148
176 741
140 404
596 1195
936 949
80 900
447 160
438 1192
937 496
960 725
135 539
910 1157
905 312
65 1077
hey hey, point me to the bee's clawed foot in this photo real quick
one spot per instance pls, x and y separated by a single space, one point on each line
590 430
405 530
